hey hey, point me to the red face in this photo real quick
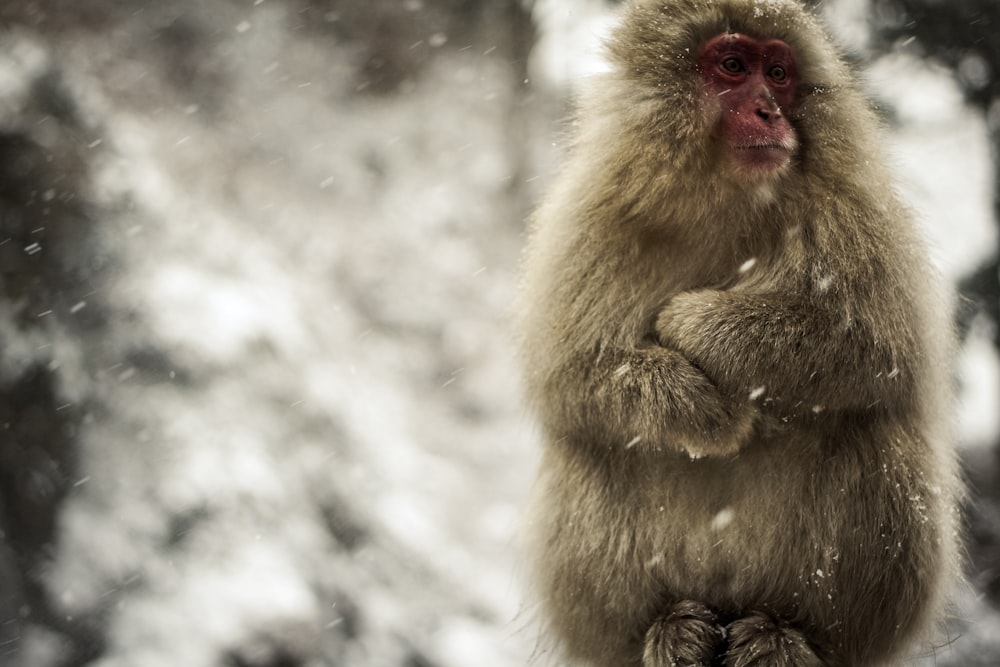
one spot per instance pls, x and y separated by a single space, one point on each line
754 82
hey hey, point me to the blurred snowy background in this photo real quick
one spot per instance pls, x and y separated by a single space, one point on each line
258 406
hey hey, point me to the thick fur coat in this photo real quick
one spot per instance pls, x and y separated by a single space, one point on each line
743 387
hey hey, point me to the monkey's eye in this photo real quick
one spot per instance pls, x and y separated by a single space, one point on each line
732 65
778 74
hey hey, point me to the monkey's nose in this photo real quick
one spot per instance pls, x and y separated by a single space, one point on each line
768 110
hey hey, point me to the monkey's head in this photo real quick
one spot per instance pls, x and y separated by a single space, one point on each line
734 85
750 87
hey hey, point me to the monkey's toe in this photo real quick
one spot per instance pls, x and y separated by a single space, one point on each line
760 641
686 636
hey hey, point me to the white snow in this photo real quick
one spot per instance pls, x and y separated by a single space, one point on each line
570 42
979 370
941 150
723 518
327 278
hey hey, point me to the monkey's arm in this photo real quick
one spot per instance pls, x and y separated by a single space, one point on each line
650 397
789 349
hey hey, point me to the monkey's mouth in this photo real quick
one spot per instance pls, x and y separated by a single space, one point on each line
764 147
771 158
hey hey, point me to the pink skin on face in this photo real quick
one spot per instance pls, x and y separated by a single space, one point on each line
754 82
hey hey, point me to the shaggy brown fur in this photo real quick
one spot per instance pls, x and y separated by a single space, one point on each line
743 386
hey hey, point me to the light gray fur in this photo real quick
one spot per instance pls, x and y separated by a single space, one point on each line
766 440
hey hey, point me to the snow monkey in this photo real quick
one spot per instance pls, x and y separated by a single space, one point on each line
737 350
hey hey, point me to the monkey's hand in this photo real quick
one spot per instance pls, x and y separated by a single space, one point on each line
727 427
666 399
730 338
779 346
648 398
682 323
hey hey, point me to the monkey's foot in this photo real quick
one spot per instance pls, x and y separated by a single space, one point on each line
687 636
760 641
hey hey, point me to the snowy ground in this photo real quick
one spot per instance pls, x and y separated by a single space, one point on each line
299 434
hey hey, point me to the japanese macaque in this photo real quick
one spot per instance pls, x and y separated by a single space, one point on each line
737 350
